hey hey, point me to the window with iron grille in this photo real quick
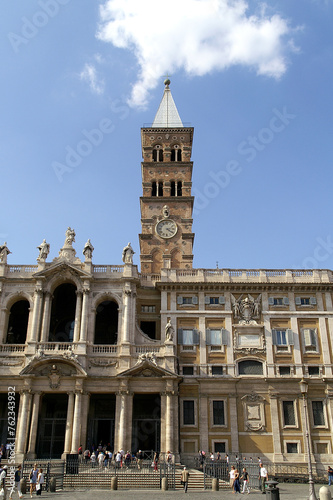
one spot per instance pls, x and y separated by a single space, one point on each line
188 412
218 413
289 413
318 413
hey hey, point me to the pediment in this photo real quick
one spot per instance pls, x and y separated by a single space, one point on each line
42 364
147 368
62 266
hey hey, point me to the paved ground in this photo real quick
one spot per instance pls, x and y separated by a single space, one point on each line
287 492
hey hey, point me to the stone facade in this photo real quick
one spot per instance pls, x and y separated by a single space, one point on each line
172 358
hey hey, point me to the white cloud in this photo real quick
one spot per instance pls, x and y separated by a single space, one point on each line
89 75
199 36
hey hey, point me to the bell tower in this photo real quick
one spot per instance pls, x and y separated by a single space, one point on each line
166 240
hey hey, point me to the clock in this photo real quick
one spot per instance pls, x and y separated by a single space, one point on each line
166 228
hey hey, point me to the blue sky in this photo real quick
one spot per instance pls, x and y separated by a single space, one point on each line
253 79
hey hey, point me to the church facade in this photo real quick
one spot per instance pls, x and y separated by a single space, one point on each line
170 358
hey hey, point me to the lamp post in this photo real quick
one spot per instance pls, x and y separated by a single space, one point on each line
304 390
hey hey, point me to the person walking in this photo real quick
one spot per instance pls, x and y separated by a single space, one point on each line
156 460
263 477
17 480
330 475
33 479
236 482
39 482
232 477
245 479
184 479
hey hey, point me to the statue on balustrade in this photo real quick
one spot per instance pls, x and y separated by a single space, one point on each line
4 251
70 237
44 250
88 250
128 253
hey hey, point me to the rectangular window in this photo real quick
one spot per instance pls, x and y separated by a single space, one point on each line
310 339
313 371
292 447
218 413
188 337
148 309
305 301
215 337
217 370
284 370
289 413
188 408
213 300
278 301
188 370
187 300
281 338
219 447
318 413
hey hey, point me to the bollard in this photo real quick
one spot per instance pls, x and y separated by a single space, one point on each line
53 484
215 484
164 484
23 484
324 493
114 483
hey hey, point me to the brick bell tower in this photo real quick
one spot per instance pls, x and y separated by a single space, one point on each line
166 240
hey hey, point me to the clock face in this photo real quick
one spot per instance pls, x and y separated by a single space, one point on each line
166 228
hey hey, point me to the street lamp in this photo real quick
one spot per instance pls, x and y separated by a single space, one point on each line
304 390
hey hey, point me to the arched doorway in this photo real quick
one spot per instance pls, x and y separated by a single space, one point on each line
18 322
63 313
106 323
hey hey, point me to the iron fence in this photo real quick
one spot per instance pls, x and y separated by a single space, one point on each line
220 469
51 469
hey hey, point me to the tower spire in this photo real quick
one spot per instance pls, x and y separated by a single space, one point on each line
167 115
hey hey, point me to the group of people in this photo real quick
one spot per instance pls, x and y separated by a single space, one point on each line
36 480
236 478
103 457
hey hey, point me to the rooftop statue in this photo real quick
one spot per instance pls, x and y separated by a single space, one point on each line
4 251
128 253
44 250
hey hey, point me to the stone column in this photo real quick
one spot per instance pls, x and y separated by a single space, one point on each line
4 317
77 422
278 457
36 315
21 435
202 346
84 318
233 423
169 423
46 318
121 440
34 426
269 346
84 420
126 314
78 313
69 424
230 348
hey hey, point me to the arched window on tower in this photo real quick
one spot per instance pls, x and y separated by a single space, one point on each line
158 153
18 322
106 323
154 188
160 188
176 153
172 188
63 313
179 188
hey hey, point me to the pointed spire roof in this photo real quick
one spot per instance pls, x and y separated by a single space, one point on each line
167 114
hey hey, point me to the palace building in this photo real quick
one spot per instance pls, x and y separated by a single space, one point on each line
168 358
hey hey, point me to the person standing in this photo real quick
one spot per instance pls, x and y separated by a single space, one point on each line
3 481
245 478
17 480
263 477
33 479
156 459
39 482
330 475
232 477
184 479
236 482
